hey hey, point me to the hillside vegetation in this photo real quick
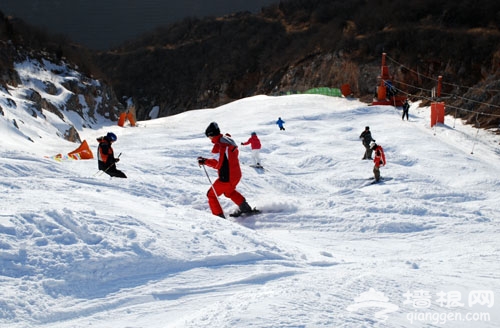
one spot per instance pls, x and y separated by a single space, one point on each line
297 45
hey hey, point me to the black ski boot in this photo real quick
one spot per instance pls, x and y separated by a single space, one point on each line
243 208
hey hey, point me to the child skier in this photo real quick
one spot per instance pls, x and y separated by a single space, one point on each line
254 143
106 158
378 160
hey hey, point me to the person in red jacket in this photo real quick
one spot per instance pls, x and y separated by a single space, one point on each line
227 164
378 160
254 143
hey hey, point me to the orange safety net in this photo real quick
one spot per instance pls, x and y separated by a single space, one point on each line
82 152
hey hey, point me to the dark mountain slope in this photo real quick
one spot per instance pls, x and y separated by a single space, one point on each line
294 46
297 45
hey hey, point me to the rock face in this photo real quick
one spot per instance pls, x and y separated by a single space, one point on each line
61 91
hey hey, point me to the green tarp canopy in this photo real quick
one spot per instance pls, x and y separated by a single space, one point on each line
334 92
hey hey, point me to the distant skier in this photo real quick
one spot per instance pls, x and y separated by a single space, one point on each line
366 138
406 108
106 158
378 160
227 164
280 123
254 143
390 89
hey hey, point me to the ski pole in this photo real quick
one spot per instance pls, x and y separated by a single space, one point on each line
99 172
213 189
114 164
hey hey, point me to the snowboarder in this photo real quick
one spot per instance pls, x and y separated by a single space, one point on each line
254 143
280 123
406 108
227 164
106 158
378 160
366 138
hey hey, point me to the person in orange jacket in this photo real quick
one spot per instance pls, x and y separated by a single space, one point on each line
378 160
106 158
254 143
227 164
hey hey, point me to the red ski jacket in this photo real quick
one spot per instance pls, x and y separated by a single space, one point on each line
379 158
105 153
254 142
226 162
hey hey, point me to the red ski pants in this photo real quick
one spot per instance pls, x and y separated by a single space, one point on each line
226 188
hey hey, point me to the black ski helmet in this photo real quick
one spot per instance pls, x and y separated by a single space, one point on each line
111 136
212 130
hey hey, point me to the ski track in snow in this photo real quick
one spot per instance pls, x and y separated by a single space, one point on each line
80 249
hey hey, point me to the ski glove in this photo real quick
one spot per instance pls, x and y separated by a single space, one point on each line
201 161
117 160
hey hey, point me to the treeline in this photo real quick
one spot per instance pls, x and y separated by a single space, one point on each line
206 62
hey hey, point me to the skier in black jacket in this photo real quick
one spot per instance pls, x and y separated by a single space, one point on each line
106 158
406 107
366 139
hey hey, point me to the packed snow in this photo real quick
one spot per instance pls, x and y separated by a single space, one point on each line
330 249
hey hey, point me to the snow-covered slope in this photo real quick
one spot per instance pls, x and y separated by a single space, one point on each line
78 249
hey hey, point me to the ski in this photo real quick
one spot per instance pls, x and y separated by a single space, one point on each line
257 166
381 180
371 181
238 214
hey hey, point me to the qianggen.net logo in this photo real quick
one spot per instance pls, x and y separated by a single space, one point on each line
446 306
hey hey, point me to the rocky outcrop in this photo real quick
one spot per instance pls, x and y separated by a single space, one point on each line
64 90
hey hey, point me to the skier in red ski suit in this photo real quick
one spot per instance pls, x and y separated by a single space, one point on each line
378 160
227 164
254 143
